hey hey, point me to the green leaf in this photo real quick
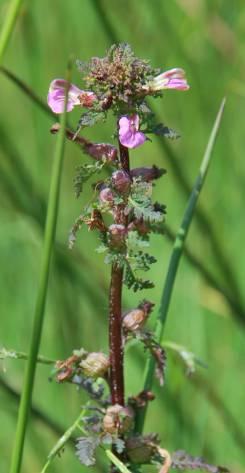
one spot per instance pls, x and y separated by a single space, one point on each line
189 359
135 283
86 447
141 204
119 445
84 173
163 130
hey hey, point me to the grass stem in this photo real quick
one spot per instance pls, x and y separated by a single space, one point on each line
49 236
175 257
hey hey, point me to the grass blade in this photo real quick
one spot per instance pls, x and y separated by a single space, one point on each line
176 255
49 236
8 25
65 438
28 91
120 465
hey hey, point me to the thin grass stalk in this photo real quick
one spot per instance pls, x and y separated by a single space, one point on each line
8 26
20 355
115 460
49 236
27 91
65 438
175 258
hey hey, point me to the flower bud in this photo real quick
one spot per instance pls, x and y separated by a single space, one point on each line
133 320
140 449
147 173
118 419
106 196
95 365
102 151
146 306
117 234
121 181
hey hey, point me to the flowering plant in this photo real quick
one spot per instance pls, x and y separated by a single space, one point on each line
124 214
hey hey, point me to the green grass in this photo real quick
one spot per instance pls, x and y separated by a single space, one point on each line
207 40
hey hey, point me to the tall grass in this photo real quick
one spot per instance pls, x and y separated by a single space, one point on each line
52 213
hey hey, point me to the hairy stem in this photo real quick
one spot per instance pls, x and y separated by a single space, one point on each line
115 310
115 336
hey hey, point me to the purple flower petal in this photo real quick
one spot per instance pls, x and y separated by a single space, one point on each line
129 135
171 79
76 96
56 96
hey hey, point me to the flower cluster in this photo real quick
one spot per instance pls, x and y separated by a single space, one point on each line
119 81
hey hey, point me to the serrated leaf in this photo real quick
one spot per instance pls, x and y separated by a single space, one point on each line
135 241
184 461
107 439
86 447
119 445
84 172
90 117
189 359
135 283
163 130
141 204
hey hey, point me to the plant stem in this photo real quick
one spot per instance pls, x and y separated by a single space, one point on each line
65 438
115 310
20 355
50 228
115 336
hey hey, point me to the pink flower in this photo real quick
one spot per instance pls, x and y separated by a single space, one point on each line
172 79
76 96
129 134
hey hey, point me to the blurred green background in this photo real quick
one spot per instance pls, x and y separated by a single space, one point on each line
207 313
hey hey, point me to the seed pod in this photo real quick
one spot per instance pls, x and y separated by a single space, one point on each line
102 151
121 181
147 306
95 365
106 196
134 319
118 419
140 449
147 173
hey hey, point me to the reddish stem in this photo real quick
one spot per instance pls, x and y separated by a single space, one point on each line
115 312
115 336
